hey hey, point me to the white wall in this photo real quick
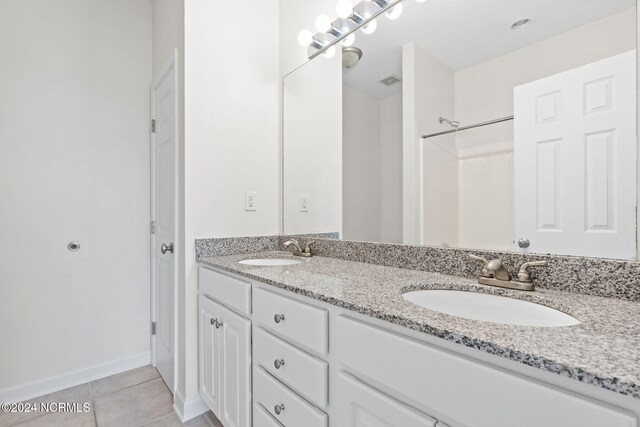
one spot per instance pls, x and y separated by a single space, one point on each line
391 169
361 168
231 143
428 93
372 167
74 165
313 147
485 92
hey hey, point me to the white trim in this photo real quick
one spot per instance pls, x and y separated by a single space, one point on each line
190 409
171 64
52 384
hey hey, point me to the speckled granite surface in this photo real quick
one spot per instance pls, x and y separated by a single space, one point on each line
604 350
236 245
590 276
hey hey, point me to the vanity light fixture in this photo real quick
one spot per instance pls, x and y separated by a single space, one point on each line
521 24
350 18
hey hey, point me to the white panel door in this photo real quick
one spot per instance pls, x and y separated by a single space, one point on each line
210 378
358 405
235 337
575 161
164 222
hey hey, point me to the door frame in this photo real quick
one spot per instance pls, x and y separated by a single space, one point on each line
170 65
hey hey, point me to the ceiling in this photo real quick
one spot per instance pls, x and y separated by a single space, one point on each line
462 33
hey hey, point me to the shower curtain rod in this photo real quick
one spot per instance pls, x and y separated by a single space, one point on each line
477 125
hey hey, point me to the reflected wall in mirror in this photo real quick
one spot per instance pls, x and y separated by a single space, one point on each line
389 149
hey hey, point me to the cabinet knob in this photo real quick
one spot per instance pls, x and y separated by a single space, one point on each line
278 318
213 322
218 324
279 408
524 243
278 363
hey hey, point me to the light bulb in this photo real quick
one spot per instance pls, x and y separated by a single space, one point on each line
349 40
329 52
395 11
370 27
323 23
305 38
344 8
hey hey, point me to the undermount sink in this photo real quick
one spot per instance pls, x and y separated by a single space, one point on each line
489 308
270 261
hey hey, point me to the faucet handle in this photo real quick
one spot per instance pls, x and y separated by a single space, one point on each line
307 248
293 242
523 273
484 261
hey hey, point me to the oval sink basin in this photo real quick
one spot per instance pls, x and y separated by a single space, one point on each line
270 261
489 308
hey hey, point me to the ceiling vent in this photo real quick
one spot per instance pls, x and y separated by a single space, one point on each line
391 80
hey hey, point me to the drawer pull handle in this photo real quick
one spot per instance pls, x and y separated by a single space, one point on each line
278 363
278 318
279 408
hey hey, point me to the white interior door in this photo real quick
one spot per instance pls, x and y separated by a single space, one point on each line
575 161
164 221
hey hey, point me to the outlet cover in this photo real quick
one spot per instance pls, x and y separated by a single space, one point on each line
250 202
304 203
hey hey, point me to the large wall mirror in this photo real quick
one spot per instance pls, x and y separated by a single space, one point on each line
505 125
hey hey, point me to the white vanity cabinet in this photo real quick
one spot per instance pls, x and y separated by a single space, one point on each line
271 358
225 358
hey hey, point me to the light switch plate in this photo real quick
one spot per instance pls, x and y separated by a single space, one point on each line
250 202
304 203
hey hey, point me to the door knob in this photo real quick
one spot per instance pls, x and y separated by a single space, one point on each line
523 243
279 408
278 318
278 363
164 248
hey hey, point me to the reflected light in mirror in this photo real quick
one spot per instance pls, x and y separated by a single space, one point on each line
349 40
329 53
344 8
305 38
395 12
370 27
323 23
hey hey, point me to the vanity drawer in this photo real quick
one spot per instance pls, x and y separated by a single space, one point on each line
288 318
261 418
441 382
232 292
304 373
358 404
270 393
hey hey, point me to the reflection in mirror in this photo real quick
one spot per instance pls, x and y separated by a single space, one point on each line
506 125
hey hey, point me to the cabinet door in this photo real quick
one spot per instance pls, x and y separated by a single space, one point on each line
235 336
209 314
358 405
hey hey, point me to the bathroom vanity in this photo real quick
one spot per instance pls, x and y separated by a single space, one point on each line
328 342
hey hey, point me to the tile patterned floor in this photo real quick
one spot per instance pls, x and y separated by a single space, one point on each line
136 398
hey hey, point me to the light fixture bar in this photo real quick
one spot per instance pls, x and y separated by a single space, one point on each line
360 22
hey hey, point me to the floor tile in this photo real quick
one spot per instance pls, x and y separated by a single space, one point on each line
134 406
174 421
62 419
78 394
123 380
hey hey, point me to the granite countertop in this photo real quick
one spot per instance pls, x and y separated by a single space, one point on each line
603 350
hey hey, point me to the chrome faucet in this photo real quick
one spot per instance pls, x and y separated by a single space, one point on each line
297 250
494 273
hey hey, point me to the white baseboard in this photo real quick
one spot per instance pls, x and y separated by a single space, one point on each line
81 376
189 409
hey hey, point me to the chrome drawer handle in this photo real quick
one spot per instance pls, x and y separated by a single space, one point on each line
278 318
278 363
279 408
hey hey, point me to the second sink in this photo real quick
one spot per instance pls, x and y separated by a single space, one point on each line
489 308
270 261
